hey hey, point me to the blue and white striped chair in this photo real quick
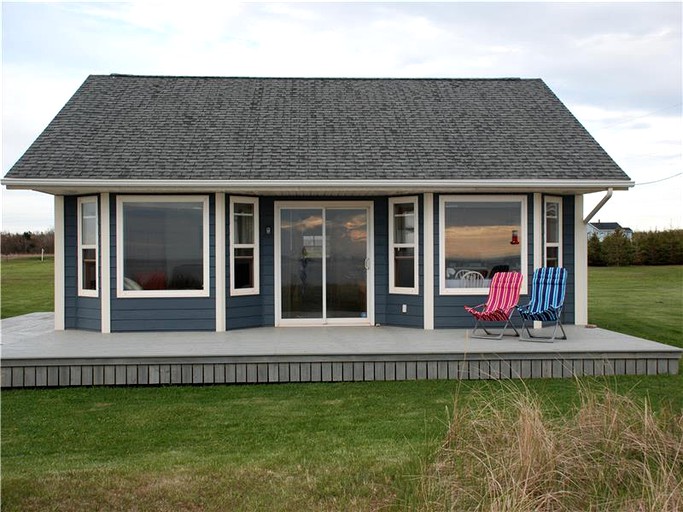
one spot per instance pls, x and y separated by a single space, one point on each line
548 288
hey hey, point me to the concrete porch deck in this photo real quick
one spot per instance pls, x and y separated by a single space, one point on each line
34 355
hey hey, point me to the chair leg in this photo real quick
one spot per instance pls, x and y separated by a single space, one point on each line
543 339
491 335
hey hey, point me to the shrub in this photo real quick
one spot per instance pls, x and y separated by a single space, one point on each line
595 258
617 249
659 247
610 453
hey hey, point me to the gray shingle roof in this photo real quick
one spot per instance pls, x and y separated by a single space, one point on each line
143 127
607 226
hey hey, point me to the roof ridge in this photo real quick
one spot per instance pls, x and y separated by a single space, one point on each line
130 75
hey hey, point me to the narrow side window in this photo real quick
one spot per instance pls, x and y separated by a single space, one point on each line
244 246
403 248
87 246
553 232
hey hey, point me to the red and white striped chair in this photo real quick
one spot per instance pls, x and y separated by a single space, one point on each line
503 297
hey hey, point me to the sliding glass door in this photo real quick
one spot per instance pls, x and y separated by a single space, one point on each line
324 263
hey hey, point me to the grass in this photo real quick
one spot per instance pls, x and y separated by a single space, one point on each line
641 301
358 446
506 452
351 446
26 285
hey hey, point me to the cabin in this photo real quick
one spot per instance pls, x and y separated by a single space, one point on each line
214 204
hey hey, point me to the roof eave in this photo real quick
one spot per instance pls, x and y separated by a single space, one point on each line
279 187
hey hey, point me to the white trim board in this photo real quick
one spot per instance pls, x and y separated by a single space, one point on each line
370 267
205 291
219 222
59 263
105 262
350 186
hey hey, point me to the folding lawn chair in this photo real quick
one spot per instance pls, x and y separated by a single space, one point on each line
547 300
503 297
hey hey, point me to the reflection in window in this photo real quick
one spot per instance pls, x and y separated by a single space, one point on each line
163 245
480 238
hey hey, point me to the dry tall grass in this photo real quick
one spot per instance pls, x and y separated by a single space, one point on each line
506 454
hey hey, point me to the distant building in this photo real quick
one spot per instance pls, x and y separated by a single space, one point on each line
604 229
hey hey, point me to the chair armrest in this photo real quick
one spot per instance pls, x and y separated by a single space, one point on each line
476 307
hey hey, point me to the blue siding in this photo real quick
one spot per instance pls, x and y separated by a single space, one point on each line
166 313
259 310
415 303
267 276
253 310
79 312
568 219
198 313
381 231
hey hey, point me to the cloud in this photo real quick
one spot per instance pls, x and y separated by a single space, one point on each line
24 210
612 63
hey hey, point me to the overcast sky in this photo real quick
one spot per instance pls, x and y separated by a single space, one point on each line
617 66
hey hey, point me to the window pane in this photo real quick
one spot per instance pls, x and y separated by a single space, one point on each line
404 223
481 239
89 223
89 273
243 223
404 267
301 263
163 245
244 268
552 223
552 257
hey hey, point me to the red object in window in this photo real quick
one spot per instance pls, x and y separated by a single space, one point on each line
515 237
152 280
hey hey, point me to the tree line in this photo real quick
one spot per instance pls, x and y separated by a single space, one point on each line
27 242
645 248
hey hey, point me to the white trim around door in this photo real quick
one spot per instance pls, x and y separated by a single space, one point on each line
322 241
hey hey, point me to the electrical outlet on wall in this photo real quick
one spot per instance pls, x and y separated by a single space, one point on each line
404 308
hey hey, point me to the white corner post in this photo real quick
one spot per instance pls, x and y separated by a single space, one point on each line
428 262
580 264
105 264
538 240
59 263
220 261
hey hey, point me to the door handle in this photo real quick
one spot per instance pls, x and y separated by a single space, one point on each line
367 263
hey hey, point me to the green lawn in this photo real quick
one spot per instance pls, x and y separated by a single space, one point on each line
26 285
351 446
642 301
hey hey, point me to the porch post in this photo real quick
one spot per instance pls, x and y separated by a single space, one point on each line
538 241
59 262
580 264
220 261
105 264
538 230
428 264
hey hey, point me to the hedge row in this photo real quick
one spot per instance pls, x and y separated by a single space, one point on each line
645 248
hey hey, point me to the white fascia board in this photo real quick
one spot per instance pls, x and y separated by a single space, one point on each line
78 186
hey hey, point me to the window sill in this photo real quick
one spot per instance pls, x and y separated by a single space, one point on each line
159 294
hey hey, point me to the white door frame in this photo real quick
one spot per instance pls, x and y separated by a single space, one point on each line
370 272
